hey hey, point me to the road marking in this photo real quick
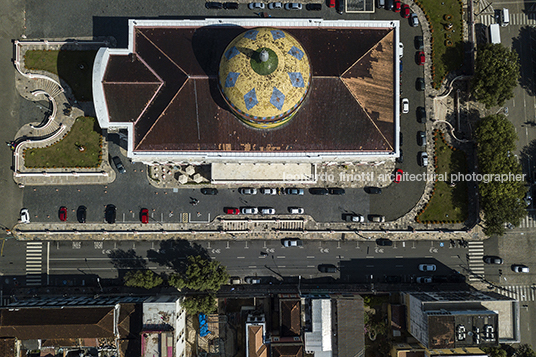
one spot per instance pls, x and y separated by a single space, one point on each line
282 266
399 256
428 256
252 266
280 257
208 245
227 246
246 247
240 257
34 251
338 245
370 256
310 257
369 266
399 266
311 266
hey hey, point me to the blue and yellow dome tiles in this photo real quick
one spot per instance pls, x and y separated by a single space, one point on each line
264 94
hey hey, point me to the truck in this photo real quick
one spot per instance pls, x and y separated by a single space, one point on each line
494 33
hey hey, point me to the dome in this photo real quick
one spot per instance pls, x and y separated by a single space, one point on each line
264 77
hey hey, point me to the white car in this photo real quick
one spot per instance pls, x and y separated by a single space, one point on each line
275 5
423 158
427 267
400 50
251 280
247 191
293 6
355 218
518 268
296 210
249 210
269 191
292 242
267 210
405 105
24 216
414 20
424 279
256 6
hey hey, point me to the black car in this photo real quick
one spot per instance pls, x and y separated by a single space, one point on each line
230 5
373 190
313 7
327 268
336 191
401 141
340 7
491 259
109 213
421 138
294 191
318 191
384 242
209 191
421 115
419 43
81 213
392 279
213 5
419 84
118 164
389 4
400 159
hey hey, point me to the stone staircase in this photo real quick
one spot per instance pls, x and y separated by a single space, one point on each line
46 85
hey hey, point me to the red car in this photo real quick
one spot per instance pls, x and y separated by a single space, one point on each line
144 215
405 11
420 58
398 6
331 3
63 214
231 210
398 176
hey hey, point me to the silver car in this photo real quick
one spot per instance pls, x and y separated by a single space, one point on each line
256 6
414 20
249 210
267 210
275 5
268 191
296 210
427 267
293 6
247 191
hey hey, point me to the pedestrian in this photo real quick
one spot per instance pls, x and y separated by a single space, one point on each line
198 214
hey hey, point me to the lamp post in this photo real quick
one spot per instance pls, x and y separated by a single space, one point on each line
299 283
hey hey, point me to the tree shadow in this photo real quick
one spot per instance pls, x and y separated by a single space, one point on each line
122 259
528 157
523 42
174 254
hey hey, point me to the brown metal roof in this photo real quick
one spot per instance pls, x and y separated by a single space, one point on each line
349 107
290 317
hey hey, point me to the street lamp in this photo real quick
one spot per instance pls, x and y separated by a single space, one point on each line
299 283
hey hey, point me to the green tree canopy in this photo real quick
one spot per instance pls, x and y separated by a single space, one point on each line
496 74
501 200
143 279
205 304
525 351
202 274
495 351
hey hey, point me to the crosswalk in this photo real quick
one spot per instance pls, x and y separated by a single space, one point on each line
476 264
529 221
34 264
515 19
519 292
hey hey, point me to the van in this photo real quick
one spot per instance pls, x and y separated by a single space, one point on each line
381 4
494 34
505 17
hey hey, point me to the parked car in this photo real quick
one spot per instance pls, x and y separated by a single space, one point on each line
327 268
491 259
247 191
423 158
373 190
318 191
427 267
414 20
384 242
420 58
380 4
400 139
336 191
313 7
213 5
209 191
440 279
267 210
520 268
235 280
421 138
421 115
296 210
230 5
354 218
144 215
292 242
340 7
256 6
400 158
249 210
294 191
268 191
376 218
231 210
419 43
400 50
420 84
63 214
424 279
398 176
109 213
389 4
405 11
24 216
81 213
119 165
275 5
331 3
293 6
392 279
397 6
405 105
252 280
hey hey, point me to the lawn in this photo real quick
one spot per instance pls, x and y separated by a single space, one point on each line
447 46
74 67
85 133
448 203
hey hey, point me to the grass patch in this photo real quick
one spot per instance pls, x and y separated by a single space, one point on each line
447 44
65 153
74 67
448 204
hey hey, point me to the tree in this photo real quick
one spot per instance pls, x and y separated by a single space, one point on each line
205 304
525 351
496 74
501 190
143 279
202 274
495 351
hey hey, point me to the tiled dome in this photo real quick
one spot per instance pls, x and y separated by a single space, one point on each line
264 77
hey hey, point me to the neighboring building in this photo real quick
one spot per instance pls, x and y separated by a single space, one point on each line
164 327
256 336
461 319
269 91
287 340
